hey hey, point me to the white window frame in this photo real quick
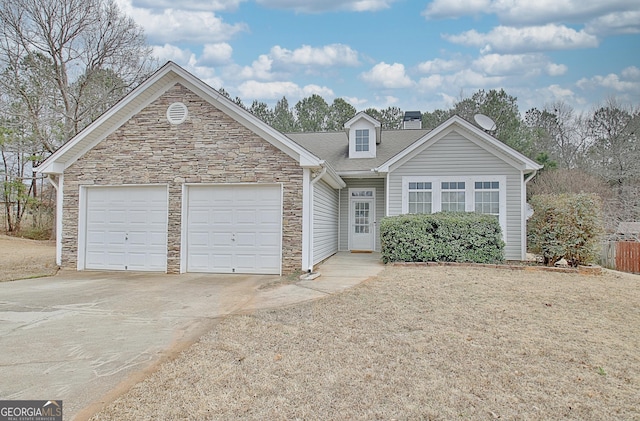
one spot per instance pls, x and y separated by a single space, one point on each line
436 193
455 190
371 152
362 135
417 190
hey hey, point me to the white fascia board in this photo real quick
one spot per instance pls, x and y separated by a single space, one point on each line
74 149
362 174
362 115
65 155
332 177
489 143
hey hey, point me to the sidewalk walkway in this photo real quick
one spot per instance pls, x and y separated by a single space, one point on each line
341 271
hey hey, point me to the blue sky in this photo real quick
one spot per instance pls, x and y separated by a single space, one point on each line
416 55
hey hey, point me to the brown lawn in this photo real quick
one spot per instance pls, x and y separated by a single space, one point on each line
21 258
416 343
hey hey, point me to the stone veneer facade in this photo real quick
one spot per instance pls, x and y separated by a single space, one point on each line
209 147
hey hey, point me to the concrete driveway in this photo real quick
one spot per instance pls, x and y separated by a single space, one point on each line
84 337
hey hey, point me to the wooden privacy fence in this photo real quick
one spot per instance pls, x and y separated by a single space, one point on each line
621 255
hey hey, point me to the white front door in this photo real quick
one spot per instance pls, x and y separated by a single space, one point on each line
362 229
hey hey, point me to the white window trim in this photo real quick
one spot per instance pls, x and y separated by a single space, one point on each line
368 142
371 153
436 194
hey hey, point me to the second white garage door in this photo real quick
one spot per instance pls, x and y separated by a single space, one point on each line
234 228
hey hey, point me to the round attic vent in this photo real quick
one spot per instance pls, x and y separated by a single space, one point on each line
177 113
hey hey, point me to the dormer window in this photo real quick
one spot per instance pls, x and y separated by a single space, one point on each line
363 133
362 140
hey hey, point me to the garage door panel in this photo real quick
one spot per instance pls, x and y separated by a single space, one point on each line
269 239
244 226
199 261
222 217
222 239
126 228
199 217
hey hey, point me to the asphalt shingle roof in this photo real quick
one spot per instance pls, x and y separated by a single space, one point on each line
333 147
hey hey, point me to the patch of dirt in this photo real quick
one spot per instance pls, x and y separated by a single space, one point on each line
21 258
416 343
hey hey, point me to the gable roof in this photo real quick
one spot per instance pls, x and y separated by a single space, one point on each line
401 145
473 134
148 91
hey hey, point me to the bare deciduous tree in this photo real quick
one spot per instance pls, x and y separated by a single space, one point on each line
87 51
615 153
559 132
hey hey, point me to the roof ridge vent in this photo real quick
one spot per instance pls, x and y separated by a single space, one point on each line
177 113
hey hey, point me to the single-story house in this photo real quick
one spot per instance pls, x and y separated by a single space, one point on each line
177 178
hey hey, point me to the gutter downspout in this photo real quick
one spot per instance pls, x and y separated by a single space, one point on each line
311 212
58 185
523 255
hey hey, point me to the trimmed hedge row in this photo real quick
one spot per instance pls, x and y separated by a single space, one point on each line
442 237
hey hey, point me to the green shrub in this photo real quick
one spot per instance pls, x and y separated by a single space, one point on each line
441 237
565 226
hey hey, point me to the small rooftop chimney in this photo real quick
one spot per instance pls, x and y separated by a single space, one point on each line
412 120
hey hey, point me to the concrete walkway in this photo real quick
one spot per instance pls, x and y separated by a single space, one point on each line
84 337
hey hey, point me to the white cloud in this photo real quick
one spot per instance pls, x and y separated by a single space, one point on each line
611 82
323 91
506 39
627 22
355 101
216 54
439 65
259 69
188 61
326 56
205 5
631 72
387 76
518 64
528 11
174 26
432 83
317 6
276 90
466 78
560 93
168 52
554 69
443 9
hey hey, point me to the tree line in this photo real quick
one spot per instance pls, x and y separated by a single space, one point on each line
64 62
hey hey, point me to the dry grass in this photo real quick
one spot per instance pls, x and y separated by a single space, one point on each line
21 258
416 343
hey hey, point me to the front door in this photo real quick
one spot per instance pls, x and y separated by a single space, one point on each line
362 219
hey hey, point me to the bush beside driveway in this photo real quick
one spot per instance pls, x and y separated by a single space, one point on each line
416 343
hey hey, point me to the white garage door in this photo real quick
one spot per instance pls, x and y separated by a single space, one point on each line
126 228
234 229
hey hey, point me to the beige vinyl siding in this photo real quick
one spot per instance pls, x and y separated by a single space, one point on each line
325 221
360 183
454 155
